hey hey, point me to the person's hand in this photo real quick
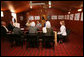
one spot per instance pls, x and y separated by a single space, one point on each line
12 32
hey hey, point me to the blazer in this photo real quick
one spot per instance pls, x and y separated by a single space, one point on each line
32 29
3 31
10 27
63 31
17 31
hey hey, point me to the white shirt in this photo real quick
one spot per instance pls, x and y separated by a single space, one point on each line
13 19
32 24
48 24
5 28
62 30
44 30
16 25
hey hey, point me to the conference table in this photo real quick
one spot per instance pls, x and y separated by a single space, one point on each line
55 35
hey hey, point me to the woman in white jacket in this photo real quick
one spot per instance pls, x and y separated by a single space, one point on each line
62 31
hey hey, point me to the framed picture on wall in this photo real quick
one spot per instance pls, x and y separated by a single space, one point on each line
37 17
82 16
54 17
60 16
67 17
31 17
71 16
48 17
77 16
21 18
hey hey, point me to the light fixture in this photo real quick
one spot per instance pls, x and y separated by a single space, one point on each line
79 9
49 4
31 6
69 11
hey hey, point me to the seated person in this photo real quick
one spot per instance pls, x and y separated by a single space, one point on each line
48 27
32 28
17 30
27 26
4 29
28 23
16 33
33 35
38 25
10 26
16 24
62 31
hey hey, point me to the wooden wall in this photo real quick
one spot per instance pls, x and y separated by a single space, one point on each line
7 16
76 27
38 12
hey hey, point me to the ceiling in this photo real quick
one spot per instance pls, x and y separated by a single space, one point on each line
20 6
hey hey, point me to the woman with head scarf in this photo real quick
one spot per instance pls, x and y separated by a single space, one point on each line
32 28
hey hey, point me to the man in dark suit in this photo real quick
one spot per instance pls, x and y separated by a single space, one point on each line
10 26
4 29
32 28
17 33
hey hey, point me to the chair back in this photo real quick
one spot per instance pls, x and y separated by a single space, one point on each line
68 31
32 36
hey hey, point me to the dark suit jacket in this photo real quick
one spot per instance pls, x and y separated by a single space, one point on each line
17 31
32 29
50 31
3 31
10 27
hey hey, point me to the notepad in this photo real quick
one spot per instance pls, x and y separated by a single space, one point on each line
22 28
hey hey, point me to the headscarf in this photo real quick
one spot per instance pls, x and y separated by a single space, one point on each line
32 24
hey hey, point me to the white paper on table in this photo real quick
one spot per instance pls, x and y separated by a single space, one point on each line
22 28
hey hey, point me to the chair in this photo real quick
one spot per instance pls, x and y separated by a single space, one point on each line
18 39
4 37
48 40
65 38
32 40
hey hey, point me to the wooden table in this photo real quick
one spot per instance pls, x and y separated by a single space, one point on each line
55 38
55 34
